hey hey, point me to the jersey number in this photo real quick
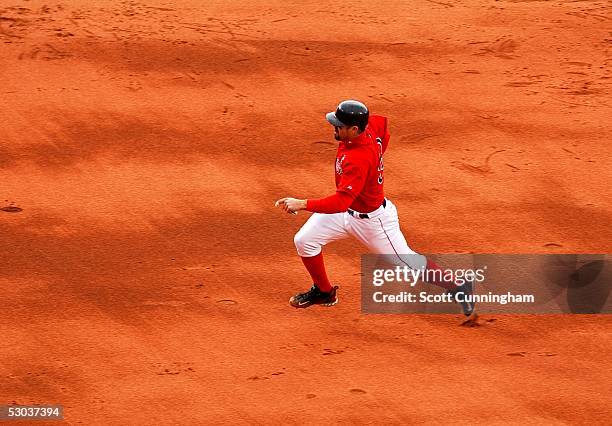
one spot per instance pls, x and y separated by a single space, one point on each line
381 164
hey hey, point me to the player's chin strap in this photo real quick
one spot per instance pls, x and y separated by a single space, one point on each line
364 215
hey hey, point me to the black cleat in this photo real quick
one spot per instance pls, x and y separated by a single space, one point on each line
461 293
314 296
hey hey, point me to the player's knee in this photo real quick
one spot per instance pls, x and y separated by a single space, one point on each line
305 246
300 242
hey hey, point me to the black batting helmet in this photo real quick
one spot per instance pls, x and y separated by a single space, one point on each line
349 113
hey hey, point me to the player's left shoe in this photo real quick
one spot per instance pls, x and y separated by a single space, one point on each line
314 296
466 291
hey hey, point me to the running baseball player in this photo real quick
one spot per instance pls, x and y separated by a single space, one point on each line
357 208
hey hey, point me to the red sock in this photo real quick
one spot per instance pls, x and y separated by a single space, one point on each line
435 276
316 269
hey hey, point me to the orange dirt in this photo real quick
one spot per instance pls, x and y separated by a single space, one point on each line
146 277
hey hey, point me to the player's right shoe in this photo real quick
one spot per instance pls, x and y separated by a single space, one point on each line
466 290
314 296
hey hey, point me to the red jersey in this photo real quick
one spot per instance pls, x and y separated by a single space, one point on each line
360 167
359 172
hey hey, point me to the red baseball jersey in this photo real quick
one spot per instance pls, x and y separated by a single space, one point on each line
360 166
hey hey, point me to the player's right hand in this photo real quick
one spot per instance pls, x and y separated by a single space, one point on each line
290 205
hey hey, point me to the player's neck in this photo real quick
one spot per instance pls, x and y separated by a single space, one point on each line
357 140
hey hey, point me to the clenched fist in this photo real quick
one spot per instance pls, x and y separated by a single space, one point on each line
291 205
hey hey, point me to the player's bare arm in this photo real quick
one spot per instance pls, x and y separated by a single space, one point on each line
291 205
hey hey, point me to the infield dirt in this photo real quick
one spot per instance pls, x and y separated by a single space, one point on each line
146 273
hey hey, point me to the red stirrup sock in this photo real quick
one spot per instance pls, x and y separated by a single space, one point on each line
316 269
435 275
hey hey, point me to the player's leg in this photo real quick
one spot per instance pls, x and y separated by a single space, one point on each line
382 235
318 231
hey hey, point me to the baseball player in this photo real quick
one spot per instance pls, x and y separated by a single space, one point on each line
357 208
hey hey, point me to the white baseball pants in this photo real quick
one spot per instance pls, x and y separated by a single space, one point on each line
380 233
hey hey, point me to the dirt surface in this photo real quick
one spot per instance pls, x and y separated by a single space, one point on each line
145 272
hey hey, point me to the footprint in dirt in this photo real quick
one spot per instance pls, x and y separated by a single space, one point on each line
174 369
520 83
275 373
11 209
501 48
332 352
227 302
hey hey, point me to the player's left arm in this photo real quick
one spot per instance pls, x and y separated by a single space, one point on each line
380 125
